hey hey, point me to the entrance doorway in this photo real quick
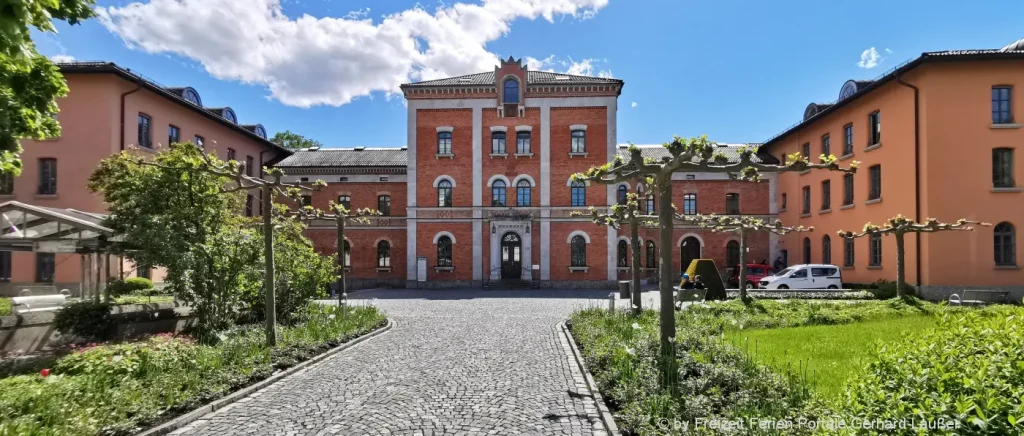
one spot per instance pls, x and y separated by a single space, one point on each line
688 251
511 256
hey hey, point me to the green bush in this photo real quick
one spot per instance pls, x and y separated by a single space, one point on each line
884 289
5 307
86 319
734 314
129 286
970 371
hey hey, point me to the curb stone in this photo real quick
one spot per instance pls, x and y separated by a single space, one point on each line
195 415
606 415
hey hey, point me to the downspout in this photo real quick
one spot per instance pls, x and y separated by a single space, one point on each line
138 86
917 175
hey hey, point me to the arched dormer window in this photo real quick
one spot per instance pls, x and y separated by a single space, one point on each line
230 115
192 96
261 132
511 88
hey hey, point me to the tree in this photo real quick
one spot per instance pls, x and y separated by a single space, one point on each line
688 155
29 82
899 226
289 139
341 216
742 226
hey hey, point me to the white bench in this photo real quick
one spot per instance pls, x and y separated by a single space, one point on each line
979 297
689 295
39 303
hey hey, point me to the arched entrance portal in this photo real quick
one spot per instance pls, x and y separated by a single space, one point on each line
688 251
511 256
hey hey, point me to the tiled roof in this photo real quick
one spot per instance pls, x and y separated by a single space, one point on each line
346 157
731 152
532 78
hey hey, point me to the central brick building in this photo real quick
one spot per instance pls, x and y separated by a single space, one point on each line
482 191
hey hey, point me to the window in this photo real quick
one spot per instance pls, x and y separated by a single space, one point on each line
847 189
848 252
1005 246
875 124
826 145
48 176
650 204
875 250
444 251
384 205
248 205
45 266
826 195
383 179
498 193
732 204
807 250
823 272
875 191
5 266
444 194
732 254
145 131
805 150
523 192
579 193
346 201
249 163
623 254
1002 112
498 142
621 194
6 184
690 204
199 141
444 142
652 257
307 200
578 248
173 134
143 271
579 141
807 201
383 254
192 96
523 142
1002 168
784 201
511 91
826 250
848 139
348 255
801 274
231 154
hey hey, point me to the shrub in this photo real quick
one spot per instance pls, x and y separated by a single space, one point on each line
86 319
301 274
708 273
884 289
5 307
129 286
734 314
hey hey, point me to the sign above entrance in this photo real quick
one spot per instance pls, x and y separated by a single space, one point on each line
512 214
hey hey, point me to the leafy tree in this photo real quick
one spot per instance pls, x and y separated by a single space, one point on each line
688 155
899 226
29 82
289 139
742 226
342 216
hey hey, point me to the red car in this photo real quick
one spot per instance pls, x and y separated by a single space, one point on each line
755 272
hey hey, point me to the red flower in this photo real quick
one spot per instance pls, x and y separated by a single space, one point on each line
44 372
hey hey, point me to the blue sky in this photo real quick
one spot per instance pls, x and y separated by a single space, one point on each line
736 71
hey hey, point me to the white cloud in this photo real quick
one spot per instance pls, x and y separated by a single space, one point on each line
62 58
634 104
585 67
309 61
870 58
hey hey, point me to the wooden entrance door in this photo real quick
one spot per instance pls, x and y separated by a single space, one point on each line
511 256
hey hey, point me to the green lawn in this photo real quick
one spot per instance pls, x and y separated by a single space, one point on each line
826 354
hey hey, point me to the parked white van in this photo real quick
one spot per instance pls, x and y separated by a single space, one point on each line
814 276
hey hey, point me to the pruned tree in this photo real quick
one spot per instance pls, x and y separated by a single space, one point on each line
342 216
742 226
688 155
899 226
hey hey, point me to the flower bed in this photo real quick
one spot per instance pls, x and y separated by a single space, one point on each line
120 388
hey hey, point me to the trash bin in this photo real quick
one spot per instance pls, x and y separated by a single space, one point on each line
624 289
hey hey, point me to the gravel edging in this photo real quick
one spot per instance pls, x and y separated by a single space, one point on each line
195 415
606 415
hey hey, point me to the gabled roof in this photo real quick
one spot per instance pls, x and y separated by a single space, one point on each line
532 78
731 152
346 157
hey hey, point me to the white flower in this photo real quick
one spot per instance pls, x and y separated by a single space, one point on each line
636 326
672 339
631 351
332 316
118 358
734 322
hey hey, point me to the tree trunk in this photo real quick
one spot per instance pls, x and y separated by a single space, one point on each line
341 258
268 254
743 265
634 241
900 272
668 315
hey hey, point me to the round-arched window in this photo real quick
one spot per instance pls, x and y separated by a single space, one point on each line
511 93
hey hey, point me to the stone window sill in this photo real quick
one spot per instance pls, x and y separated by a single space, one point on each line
519 155
623 269
846 156
571 155
874 266
384 269
145 149
847 206
447 155
782 210
46 196
1007 126
824 211
348 269
803 172
444 268
1012 267
7 197
874 201
579 269
494 155
873 147
805 215
1007 190
848 267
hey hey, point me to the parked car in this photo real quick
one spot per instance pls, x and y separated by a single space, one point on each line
813 276
755 272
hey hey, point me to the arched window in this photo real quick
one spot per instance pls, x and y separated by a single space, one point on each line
732 254
579 194
807 250
192 96
523 193
511 91
578 248
261 132
383 254
230 115
384 205
348 255
444 251
444 142
621 197
498 193
1005 246
826 250
444 194
650 204
346 201
652 260
623 254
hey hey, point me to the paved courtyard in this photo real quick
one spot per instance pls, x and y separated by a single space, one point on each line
459 362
